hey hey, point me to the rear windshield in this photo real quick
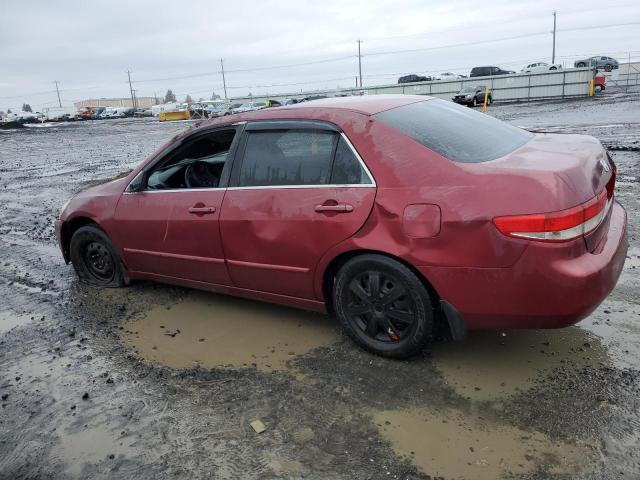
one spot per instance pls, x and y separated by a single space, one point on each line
455 132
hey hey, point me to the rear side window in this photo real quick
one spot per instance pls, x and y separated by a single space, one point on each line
287 157
457 133
347 169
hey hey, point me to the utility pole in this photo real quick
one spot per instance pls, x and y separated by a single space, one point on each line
224 83
58 91
553 53
360 63
133 100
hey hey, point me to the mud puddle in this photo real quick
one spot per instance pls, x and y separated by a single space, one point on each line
211 331
491 365
464 447
617 324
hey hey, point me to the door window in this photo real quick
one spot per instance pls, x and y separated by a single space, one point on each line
300 158
198 163
287 157
347 169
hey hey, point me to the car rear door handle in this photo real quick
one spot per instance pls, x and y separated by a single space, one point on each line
340 208
202 210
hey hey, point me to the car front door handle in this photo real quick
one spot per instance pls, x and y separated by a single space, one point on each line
201 210
340 208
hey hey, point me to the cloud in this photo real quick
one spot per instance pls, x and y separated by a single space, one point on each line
89 46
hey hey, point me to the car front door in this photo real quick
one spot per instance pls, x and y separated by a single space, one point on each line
297 189
168 226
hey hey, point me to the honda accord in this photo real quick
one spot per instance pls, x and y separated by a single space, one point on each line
401 215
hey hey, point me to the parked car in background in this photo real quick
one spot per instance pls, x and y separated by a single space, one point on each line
472 95
312 97
413 78
86 113
290 101
251 106
97 111
489 71
389 211
606 63
448 76
541 67
216 109
228 109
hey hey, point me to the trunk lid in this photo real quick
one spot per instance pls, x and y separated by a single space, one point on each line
578 161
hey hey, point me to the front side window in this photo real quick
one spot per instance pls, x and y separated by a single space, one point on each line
457 133
198 163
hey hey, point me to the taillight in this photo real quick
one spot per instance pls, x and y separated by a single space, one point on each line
557 226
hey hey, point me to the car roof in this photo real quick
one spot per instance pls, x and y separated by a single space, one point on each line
364 104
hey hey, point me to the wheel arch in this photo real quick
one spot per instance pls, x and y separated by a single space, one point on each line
69 228
332 268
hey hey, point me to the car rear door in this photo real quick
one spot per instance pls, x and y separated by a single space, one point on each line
297 189
173 232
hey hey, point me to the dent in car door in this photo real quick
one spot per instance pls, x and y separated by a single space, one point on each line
273 238
274 235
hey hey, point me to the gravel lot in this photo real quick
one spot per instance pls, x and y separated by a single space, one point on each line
154 382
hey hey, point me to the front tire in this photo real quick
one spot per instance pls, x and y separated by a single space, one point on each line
608 68
383 306
475 102
581 64
95 259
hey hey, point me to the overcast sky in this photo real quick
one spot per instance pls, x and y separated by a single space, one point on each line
89 45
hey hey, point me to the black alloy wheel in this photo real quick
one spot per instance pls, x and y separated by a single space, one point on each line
383 306
95 259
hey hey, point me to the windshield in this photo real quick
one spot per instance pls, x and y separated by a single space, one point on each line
457 133
469 89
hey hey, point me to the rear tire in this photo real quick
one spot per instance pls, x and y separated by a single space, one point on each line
608 68
383 306
475 102
489 100
581 64
95 259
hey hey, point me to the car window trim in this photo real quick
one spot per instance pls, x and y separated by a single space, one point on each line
296 125
226 171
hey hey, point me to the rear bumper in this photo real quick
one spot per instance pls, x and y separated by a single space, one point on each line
544 289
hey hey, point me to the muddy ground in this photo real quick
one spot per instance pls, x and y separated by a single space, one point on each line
153 382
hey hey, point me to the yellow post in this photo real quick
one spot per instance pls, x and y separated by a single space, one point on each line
591 87
486 99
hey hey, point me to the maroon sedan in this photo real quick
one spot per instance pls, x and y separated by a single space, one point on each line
399 214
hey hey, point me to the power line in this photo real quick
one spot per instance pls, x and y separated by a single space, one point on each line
502 39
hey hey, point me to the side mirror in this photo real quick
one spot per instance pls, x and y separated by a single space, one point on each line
138 184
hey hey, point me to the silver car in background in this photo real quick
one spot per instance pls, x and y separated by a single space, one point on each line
540 67
607 63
